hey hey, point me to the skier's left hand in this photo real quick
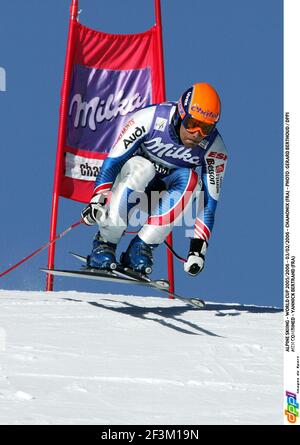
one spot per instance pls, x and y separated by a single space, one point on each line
196 258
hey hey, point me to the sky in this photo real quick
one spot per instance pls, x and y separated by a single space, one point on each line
237 47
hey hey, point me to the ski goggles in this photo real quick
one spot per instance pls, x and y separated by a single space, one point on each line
193 126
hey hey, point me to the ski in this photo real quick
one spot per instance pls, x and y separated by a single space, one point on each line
124 275
162 284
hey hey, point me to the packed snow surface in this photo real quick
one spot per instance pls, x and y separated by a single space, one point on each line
82 358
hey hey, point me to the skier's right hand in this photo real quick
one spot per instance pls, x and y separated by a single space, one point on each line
95 211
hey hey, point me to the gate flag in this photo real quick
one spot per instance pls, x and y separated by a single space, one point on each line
112 77
107 77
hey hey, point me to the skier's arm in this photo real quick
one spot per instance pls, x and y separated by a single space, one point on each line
212 176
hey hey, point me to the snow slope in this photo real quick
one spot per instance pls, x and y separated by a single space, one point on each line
79 358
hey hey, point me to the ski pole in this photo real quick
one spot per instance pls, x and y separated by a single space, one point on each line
180 258
41 248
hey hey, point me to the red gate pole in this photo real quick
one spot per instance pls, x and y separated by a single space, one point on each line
63 112
163 98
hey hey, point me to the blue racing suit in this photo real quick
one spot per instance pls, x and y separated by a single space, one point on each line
150 137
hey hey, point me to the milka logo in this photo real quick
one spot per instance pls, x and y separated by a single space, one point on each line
168 150
198 109
97 110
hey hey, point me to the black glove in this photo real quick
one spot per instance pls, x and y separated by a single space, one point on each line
95 211
196 257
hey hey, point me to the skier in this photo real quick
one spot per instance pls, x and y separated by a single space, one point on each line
159 149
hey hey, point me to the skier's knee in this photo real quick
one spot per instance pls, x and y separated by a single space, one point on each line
138 172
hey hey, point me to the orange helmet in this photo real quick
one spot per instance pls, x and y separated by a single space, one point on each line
200 102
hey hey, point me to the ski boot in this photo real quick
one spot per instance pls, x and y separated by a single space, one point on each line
103 255
138 256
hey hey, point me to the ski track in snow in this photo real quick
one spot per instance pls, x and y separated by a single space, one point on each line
79 358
